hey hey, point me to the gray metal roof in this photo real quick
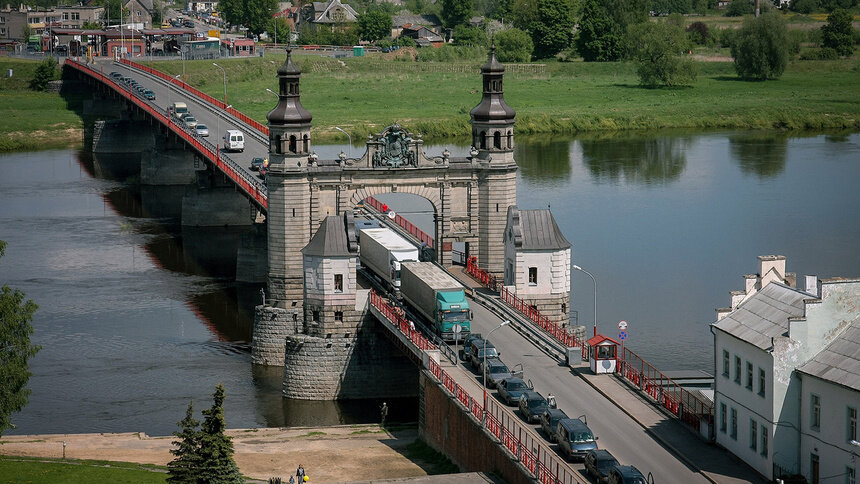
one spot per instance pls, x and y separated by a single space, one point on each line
537 230
839 362
330 239
765 314
428 20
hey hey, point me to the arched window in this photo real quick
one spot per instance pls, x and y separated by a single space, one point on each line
483 140
292 143
275 141
306 144
510 139
497 140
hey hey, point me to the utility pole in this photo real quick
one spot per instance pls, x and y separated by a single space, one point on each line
757 9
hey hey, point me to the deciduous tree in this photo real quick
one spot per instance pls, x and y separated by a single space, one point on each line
374 25
838 33
603 28
660 54
552 28
15 350
45 73
472 36
513 45
216 448
456 12
760 49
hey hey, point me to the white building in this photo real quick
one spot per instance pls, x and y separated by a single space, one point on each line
537 262
765 345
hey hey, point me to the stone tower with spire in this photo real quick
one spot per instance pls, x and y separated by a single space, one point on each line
493 145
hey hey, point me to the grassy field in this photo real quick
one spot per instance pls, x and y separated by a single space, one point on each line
363 95
24 469
29 119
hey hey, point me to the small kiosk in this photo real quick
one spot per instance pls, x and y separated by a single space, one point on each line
603 354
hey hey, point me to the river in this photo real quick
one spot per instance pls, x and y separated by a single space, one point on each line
137 316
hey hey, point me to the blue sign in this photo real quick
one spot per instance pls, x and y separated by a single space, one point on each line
622 335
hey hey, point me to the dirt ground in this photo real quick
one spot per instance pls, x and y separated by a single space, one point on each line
329 454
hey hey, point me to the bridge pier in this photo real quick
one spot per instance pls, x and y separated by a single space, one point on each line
167 163
215 203
252 259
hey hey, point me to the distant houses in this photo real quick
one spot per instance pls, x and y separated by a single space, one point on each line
787 385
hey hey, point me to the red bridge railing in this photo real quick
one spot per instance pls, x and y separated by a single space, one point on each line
253 188
400 321
407 225
183 85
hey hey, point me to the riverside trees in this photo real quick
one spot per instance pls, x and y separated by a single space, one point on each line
204 455
15 350
760 49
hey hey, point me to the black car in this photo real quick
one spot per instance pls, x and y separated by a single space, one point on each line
549 421
477 349
467 344
496 371
620 474
510 390
257 163
598 463
532 404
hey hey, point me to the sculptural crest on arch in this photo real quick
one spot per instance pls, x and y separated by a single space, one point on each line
394 147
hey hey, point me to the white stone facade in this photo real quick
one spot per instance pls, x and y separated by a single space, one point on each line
829 441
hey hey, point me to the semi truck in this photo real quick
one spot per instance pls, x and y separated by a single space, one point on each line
382 251
438 297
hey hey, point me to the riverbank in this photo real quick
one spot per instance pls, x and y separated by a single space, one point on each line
328 454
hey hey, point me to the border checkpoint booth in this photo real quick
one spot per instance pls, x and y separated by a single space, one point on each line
603 354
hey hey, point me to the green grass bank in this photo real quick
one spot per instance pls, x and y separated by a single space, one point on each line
366 94
72 471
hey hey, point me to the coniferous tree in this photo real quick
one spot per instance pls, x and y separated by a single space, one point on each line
216 448
185 467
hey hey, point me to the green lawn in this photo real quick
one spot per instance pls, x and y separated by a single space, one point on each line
366 94
57 471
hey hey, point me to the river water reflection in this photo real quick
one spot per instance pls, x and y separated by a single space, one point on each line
138 315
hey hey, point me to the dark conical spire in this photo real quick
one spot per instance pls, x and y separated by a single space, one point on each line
289 109
493 107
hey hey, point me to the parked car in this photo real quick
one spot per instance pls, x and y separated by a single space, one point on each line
256 164
201 130
189 120
510 390
467 344
575 439
476 352
549 421
149 95
495 371
598 463
620 474
532 404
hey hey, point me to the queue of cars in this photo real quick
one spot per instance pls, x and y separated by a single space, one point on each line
133 85
573 438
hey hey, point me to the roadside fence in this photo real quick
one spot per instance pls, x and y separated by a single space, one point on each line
401 221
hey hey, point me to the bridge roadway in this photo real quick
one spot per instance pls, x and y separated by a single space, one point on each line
217 120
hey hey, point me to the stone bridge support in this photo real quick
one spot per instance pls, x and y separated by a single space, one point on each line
215 202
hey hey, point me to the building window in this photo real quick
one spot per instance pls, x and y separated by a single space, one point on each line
734 433
763 441
315 316
65 15
726 363
749 376
338 283
563 310
753 435
533 275
850 475
723 423
815 412
761 382
852 424
737 369
76 16
338 315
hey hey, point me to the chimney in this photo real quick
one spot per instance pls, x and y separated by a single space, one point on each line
812 286
771 269
750 281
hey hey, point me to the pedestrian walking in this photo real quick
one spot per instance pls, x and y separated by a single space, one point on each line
300 474
411 326
383 411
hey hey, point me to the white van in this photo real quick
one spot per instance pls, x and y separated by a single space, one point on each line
234 140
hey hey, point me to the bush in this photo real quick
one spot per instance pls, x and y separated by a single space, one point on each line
825 53
739 8
473 36
451 53
659 52
514 45
699 33
803 6
838 34
761 47
726 37
45 73
795 38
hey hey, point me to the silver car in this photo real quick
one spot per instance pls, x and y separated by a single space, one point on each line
496 371
189 120
201 130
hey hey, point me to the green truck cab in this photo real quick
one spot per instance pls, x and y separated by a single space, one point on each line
438 297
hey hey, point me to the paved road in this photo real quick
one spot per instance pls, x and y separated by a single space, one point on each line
617 432
218 121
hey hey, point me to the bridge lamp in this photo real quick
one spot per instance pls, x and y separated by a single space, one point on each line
273 92
576 267
170 90
348 136
484 367
177 49
225 81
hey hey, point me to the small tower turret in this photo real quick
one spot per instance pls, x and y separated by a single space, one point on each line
289 122
492 118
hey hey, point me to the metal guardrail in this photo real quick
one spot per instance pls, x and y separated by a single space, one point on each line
252 187
401 221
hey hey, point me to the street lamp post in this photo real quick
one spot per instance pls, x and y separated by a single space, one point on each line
576 267
170 90
484 367
273 92
225 81
182 53
348 137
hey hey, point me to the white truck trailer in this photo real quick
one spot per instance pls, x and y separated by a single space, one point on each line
382 250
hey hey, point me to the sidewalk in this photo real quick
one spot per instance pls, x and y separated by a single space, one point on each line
717 465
